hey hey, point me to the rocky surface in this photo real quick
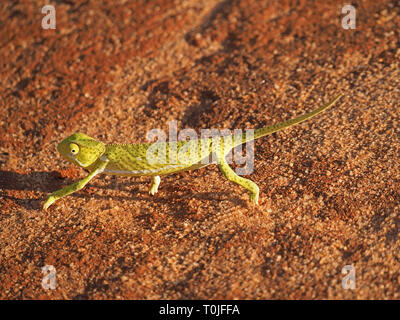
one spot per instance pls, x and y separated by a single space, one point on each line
330 191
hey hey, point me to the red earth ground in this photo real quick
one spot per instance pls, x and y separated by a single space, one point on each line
329 188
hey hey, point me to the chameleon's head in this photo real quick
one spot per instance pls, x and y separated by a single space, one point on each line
81 149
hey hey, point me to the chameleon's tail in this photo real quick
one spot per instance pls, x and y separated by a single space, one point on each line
285 124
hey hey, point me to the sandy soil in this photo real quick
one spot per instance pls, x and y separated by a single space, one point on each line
329 188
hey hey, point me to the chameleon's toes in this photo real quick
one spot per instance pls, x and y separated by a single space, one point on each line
50 200
154 185
254 198
153 190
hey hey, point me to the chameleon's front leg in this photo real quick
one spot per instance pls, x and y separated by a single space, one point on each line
154 186
232 176
75 186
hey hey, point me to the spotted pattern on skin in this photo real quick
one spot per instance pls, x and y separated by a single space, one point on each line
144 171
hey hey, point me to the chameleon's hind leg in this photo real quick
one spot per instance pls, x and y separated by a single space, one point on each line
232 176
154 186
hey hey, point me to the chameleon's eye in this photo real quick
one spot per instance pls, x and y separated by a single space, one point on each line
74 149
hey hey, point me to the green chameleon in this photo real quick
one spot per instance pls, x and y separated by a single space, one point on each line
160 158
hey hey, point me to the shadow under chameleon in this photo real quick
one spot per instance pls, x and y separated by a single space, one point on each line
48 182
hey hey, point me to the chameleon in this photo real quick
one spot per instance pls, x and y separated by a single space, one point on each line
136 159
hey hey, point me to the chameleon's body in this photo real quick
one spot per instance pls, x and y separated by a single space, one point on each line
137 160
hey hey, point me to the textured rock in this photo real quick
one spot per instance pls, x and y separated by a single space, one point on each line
330 191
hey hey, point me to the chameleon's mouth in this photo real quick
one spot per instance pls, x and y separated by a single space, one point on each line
76 160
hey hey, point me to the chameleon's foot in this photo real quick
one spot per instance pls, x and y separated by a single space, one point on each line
50 200
246 183
153 190
254 198
155 184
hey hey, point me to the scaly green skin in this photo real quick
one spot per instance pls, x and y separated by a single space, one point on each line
135 159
